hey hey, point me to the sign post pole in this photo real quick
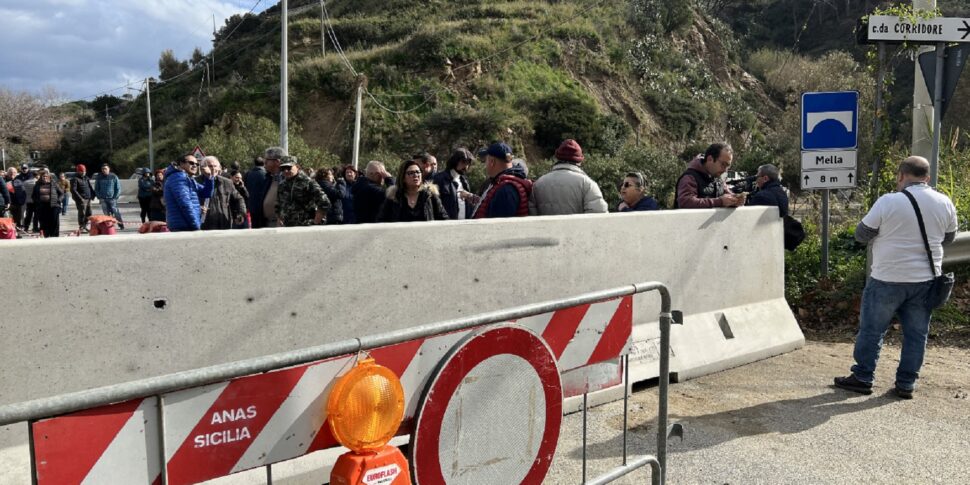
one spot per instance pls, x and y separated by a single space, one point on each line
937 113
825 232
877 120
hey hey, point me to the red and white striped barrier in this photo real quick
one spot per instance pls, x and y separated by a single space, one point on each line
252 421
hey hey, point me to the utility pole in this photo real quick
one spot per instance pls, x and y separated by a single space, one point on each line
3 156
323 30
284 133
923 110
111 144
212 73
361 81
148 102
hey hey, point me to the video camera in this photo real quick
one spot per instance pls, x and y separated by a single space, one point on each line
745 184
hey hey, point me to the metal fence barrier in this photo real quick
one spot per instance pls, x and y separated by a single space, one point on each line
31 411
959 250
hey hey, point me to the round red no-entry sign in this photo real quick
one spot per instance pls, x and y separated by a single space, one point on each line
491 413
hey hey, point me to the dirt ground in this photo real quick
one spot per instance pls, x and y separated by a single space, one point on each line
781 421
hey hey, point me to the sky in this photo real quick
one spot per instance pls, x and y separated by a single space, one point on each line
83 48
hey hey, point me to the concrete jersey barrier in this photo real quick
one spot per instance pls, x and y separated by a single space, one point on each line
147 305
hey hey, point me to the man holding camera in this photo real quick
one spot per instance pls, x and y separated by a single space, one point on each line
770 191
701 186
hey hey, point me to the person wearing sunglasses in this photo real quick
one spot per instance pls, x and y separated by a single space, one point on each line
183 195
633 191
410 199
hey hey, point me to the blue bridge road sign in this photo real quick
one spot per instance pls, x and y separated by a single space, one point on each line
830 121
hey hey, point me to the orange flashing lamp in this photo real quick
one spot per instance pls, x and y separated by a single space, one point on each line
365 409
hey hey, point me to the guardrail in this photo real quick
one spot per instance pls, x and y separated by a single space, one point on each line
959 250
31 411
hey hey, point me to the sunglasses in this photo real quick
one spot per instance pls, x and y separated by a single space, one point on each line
627 185
194 164
411 173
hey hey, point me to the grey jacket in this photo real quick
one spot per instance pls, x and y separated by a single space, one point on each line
225 205
566 190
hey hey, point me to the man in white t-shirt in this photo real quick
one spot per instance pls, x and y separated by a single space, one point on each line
901 276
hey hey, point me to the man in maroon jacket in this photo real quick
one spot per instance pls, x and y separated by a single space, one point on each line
701 186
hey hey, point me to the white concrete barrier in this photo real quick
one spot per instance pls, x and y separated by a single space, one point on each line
129 190
104 310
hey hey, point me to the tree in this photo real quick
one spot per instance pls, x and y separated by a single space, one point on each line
25 116
197 56
105 101
169 66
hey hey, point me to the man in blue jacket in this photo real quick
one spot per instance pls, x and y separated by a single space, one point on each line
107 188
183 210
508 190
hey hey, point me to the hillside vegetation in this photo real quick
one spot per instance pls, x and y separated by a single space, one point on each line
641 84
636 80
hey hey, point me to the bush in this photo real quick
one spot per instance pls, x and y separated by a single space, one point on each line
244 136
682 116
558 116
659 16
455 125
429 48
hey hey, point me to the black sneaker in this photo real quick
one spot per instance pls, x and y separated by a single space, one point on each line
903 393
850 383
121 226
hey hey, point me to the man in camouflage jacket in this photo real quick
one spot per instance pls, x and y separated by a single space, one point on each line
301 202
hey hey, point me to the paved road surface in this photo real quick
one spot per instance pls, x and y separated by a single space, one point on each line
779 421
130 213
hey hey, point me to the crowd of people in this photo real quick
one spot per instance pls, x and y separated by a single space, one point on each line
191 194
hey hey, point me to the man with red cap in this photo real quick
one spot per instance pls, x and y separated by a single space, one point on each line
566 189
82 192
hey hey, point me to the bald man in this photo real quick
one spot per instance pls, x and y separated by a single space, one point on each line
902 275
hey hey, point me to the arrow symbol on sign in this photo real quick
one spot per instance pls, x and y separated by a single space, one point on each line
965 29
806 179
850 178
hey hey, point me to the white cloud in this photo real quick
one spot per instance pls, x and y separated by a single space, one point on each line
83 47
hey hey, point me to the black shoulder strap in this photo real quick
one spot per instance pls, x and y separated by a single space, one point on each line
922 230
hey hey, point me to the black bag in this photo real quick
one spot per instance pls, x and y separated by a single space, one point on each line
794 232
943 284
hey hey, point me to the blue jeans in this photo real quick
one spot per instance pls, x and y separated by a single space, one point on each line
110 208
880 301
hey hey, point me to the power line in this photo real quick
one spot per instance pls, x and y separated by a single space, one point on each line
191 69
336 43
242 21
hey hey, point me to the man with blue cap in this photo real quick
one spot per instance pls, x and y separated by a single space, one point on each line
508 189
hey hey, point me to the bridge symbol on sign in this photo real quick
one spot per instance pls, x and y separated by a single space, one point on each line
844 117
830 121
